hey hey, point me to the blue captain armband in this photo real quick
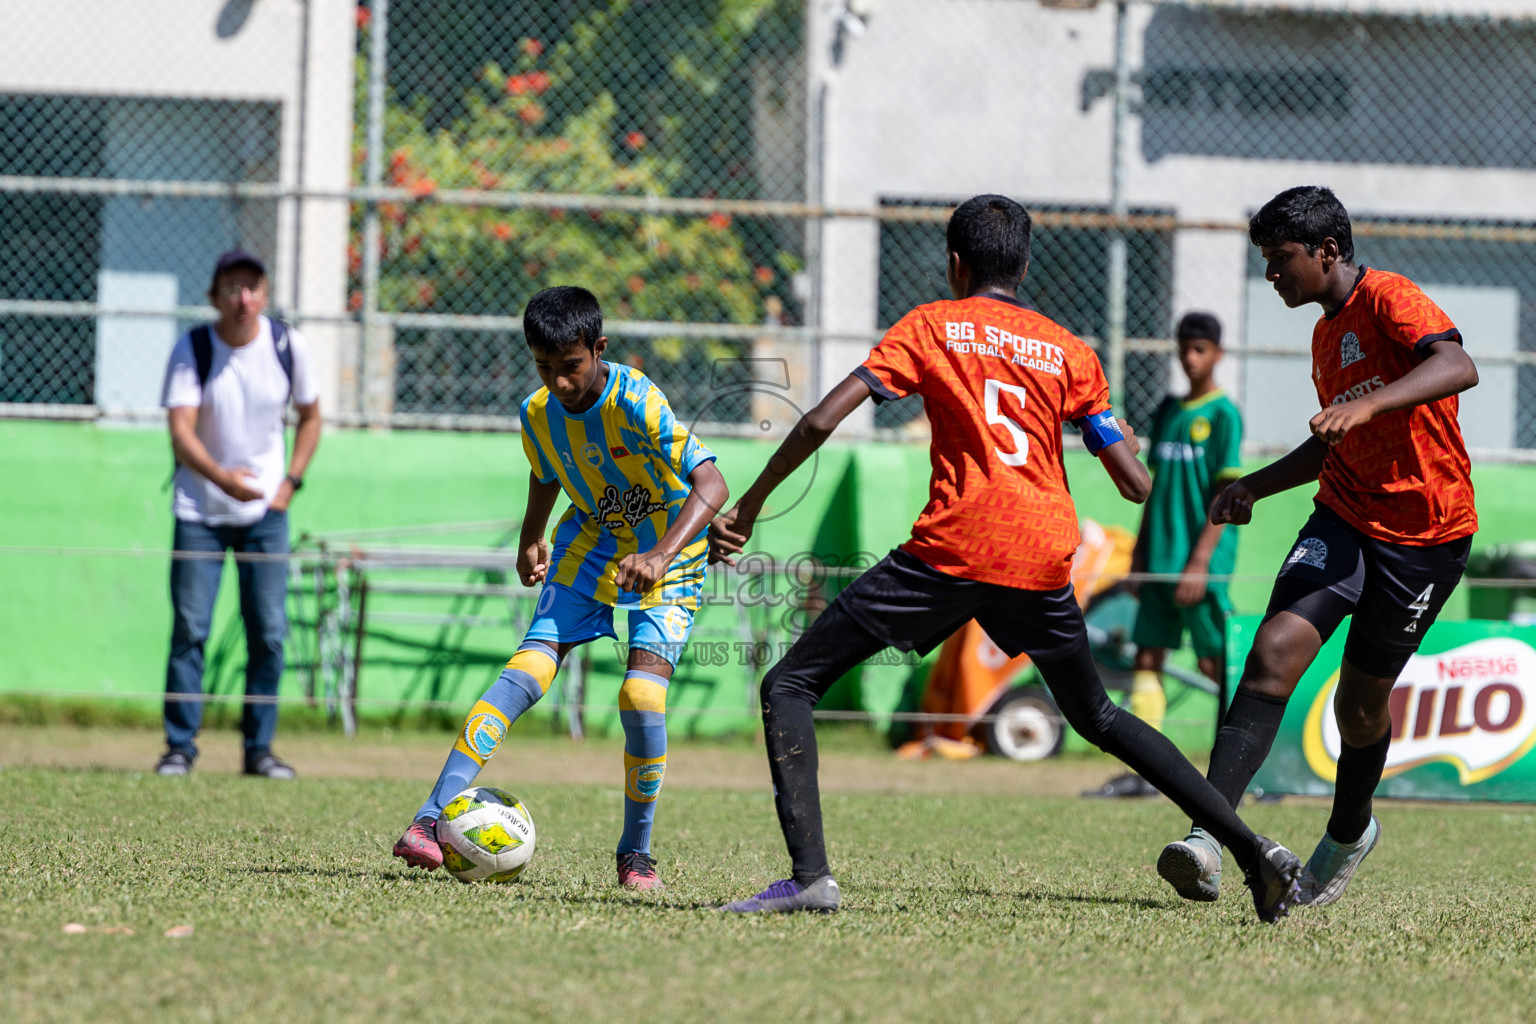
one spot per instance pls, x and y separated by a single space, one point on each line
1099 430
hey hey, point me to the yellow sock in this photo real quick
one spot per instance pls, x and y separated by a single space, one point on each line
1147 700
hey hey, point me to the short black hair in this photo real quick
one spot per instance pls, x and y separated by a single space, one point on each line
561 317
1200 325
991 233
1306 214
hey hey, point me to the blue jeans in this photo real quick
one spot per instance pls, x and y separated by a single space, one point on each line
263 590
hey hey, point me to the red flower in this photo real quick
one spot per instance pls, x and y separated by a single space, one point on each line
426 293
422 187
763 275
718 221
635 140
412 245
501 231
557 214
399 158
532 269
354 258
517 85
355 301
635 284
693 282
531 47
531 114
538 81
364 18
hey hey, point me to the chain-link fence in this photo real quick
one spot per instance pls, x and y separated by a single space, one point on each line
764 178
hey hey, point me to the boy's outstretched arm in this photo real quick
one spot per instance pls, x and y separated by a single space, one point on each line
1447 370
729 533
707 494
1119 460
532 548
1300 466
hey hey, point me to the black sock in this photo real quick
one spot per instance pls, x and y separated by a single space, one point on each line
1074 682
834 644
1243 742
1359 774
790 733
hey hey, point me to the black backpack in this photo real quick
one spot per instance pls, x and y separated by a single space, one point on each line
202 355
202 351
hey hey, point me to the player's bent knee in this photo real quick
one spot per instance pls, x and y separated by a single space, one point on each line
640 694
537 662
1092 719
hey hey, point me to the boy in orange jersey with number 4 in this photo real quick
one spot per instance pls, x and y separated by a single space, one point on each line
1387 542
994 542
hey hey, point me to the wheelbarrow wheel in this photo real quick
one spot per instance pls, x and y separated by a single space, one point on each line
1026 725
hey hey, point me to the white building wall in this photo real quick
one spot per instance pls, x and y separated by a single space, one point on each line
924 105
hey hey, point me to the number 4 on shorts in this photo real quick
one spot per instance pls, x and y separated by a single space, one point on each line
1420 605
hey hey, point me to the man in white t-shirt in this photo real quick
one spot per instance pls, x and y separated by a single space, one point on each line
226 390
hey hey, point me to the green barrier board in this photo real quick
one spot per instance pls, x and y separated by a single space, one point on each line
1463 716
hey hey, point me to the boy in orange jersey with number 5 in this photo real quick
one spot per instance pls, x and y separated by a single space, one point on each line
994 542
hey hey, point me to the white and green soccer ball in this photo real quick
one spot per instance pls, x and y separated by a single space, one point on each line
486 835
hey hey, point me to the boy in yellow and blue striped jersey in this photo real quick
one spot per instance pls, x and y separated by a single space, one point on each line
642 491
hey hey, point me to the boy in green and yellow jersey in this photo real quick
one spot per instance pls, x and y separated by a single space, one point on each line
1195 451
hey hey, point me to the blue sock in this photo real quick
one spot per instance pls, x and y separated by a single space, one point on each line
514 692
643 713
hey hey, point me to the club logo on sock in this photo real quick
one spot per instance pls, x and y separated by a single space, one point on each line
1309 551
645 780
483 733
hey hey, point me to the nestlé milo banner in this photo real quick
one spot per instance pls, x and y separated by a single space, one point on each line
1463 716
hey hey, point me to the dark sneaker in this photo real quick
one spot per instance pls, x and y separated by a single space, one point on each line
637 871
1193 867
174 762
1123 787
1275 882
419 846
787 896
268 766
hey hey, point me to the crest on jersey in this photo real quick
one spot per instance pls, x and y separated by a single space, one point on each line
1309 551
592 453
1200 429
1349 350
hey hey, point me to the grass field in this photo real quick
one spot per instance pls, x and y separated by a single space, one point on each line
967 898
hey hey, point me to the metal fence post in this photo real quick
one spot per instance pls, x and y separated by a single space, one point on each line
1115 299
371 355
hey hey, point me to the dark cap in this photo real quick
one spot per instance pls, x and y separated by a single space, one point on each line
238 258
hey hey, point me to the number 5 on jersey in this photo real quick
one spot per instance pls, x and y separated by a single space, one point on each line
996 417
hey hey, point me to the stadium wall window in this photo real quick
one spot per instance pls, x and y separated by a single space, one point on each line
91 238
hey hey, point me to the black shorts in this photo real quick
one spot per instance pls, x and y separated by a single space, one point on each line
909 605
1394 591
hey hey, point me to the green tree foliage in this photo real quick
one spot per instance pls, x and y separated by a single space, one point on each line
552 123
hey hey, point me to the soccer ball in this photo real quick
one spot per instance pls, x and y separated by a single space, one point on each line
486 835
